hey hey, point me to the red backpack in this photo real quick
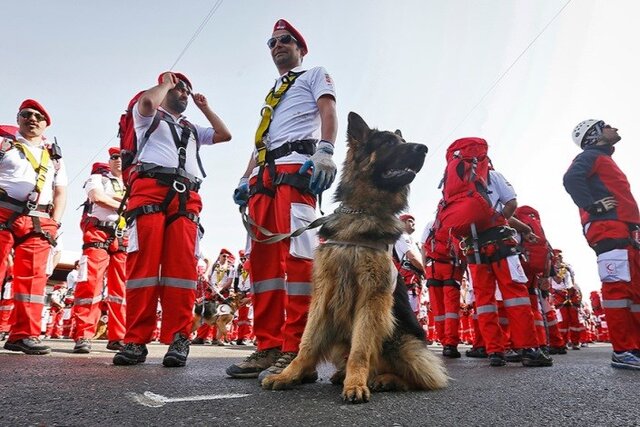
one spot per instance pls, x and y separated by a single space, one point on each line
465 198
538 254
128 139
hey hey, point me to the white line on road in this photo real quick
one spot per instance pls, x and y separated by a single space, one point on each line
153 400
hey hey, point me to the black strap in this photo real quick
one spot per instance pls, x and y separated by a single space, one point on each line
37 232
182 141
302 146
607 245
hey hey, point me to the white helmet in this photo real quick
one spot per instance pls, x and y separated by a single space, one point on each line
581 131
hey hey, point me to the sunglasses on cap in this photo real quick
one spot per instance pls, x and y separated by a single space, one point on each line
27 114
114 157
183 87
284 39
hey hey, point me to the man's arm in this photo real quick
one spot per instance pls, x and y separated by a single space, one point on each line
99 197
221 132
59 202
151 99
414 258
329 118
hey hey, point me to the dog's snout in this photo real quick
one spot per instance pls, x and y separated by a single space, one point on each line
420 148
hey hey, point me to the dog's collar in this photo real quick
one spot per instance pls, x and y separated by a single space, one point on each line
373 245
346 210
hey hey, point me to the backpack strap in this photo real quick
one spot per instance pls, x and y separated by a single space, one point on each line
154 125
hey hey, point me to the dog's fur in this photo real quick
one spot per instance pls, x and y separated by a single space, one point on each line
207 312
356 319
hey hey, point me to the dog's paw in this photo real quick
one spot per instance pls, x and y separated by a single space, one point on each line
277 382
356 394
388 382
338 377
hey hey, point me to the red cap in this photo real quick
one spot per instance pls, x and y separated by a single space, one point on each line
241 253
180 76
114 150
405 217
282 24
99 168
225 251
33 104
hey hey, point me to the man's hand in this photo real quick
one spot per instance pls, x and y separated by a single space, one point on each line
531 237
241 194
324 169
601 206
170 78
200 100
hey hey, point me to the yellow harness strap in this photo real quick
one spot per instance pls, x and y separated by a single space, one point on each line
40 168
271 101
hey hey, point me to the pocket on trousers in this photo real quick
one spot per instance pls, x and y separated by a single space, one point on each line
84 267
133 238
613 266
516 270
305 244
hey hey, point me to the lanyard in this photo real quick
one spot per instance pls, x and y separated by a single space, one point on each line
39 167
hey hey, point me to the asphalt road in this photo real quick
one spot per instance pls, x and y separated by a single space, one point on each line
87 390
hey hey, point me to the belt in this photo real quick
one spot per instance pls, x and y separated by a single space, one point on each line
303 146
169 176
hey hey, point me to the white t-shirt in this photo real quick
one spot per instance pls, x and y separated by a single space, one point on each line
296 116
18 178
105 184
404 244
567 280
72 279
161 150
500 191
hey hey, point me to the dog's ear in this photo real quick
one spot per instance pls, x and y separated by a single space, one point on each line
357 129
399 133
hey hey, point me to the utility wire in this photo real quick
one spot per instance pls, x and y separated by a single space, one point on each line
502 76
203 24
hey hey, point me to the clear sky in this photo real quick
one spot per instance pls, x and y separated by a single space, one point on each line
438 70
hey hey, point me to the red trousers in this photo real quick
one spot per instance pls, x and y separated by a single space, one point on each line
6 307
29 271
444 297
466 327
54 324
161 264
478 341
516 303
88 293
281 305
620 275
570 327
541 333
244 323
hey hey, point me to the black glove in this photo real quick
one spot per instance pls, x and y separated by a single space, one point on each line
601 206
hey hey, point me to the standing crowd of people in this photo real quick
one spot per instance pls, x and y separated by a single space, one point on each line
483 258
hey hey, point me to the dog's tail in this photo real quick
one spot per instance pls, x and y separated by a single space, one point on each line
422 369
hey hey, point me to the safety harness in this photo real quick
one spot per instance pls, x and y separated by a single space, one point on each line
267 158
606 245
179 181
490 245
30 207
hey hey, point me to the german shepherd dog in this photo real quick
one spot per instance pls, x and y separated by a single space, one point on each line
217 314
360 318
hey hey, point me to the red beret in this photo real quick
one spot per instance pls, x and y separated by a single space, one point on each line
282 24
405 217
180 76
241 253
225 251
114 150
99 168
35 105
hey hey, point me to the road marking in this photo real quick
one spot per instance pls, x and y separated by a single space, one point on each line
153 400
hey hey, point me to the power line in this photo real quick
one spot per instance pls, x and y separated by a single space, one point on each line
201 27
493 86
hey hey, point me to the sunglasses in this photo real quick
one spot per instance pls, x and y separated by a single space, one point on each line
27 114
114 157
284 39
183 87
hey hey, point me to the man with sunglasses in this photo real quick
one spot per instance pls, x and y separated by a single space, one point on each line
611 224
103 251
163 215
291 164
33 185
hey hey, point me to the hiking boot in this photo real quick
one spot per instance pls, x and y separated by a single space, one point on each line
30 345
115 345
3 335
240 342
255 363
478 352
131 354
451 351
197 341
625 360
513 356
557 350
575 346
497 359
283 361
544 349
83 345
534 357
178 351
